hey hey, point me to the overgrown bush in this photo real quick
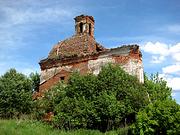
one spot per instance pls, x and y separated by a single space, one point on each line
107 101
49 101
157 88
161 117
15 94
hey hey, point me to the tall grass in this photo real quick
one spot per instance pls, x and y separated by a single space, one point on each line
31 127
24 127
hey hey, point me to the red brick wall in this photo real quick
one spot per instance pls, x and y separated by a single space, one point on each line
121 59
82 67
54 80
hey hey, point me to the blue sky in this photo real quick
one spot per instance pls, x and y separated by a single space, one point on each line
30 28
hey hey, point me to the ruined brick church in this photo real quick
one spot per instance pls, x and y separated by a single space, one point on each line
82 53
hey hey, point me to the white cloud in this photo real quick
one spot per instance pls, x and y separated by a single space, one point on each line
176 56
171 74
171 54
175 52
160 51
156 48
175 48
174 83
171 69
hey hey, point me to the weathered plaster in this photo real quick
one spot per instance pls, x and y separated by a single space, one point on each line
48 73
95 65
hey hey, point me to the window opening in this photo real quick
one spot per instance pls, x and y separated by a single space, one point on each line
81 27
62 78
89 29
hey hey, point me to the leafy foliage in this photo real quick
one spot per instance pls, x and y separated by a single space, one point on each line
122 94
35 79
157 88
161 117
15 94
75 108
110 100
113 99
49 101
107 101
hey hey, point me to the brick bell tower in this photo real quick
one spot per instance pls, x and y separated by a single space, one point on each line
84 25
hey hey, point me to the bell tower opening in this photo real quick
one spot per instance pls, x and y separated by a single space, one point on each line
81 27
84 25
89 29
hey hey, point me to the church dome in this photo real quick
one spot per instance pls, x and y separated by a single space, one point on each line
81 44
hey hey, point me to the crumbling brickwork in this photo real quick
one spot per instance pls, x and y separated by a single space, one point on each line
82 53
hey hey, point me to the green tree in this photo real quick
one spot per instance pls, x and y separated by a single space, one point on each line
35 78
157 88
15 94
49 101
126 87
103 102
110 100
77 110
161 117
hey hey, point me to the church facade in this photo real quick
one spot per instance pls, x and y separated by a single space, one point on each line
82 53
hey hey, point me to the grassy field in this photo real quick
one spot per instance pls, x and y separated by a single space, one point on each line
27 127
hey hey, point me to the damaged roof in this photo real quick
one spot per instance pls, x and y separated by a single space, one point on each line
77 45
